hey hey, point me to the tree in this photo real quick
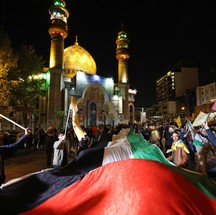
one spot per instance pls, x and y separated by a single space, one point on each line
8 64
30 85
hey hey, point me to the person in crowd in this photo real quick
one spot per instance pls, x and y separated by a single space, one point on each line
168 132
104 135
6 138
160 129
179 151
212 138
49 141
73 142
29 141
36 139
89 132
183 133
202 149
94 131
155 138
60 152
189 140
187 137
5 149
84 143
210 134
146 132
41 141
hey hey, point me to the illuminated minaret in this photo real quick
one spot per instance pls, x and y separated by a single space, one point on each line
58 31
122 55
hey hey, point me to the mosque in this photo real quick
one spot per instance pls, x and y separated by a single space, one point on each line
73 72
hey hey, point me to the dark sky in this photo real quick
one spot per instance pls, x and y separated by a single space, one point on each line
161 33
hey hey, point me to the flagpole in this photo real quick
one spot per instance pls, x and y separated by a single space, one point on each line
66 125
12 122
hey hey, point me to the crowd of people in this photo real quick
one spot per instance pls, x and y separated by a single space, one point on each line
186 147
177 144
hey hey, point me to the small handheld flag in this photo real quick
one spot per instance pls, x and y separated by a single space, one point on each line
178 121
214 106
76 126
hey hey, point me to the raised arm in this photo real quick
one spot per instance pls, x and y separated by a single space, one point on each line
210 134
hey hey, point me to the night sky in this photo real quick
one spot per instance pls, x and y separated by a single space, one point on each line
162 34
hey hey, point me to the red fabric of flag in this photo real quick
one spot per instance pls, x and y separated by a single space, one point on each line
132 186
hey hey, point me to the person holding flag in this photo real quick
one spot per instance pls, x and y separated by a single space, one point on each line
202 140
5 149
212 138
189 137
210 134
59 154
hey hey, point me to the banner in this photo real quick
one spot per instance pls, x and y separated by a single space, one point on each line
201 117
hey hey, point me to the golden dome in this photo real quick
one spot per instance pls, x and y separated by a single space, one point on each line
76 59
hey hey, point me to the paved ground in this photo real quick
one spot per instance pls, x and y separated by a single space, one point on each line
25 162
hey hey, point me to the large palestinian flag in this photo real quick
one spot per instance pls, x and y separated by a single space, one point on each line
128 176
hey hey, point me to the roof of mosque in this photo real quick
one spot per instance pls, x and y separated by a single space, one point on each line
76 58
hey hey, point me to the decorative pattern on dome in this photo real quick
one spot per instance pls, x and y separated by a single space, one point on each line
78 59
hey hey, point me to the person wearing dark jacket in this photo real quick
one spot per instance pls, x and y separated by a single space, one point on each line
5 149
49 141
104 135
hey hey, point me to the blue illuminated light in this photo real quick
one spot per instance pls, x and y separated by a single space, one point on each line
96 78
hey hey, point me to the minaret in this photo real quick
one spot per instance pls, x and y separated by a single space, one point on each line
122 55
58 31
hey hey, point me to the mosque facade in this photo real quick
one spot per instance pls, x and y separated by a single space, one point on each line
72 72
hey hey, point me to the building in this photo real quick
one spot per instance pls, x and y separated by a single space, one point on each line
73 72
191 101
206 95
171 96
